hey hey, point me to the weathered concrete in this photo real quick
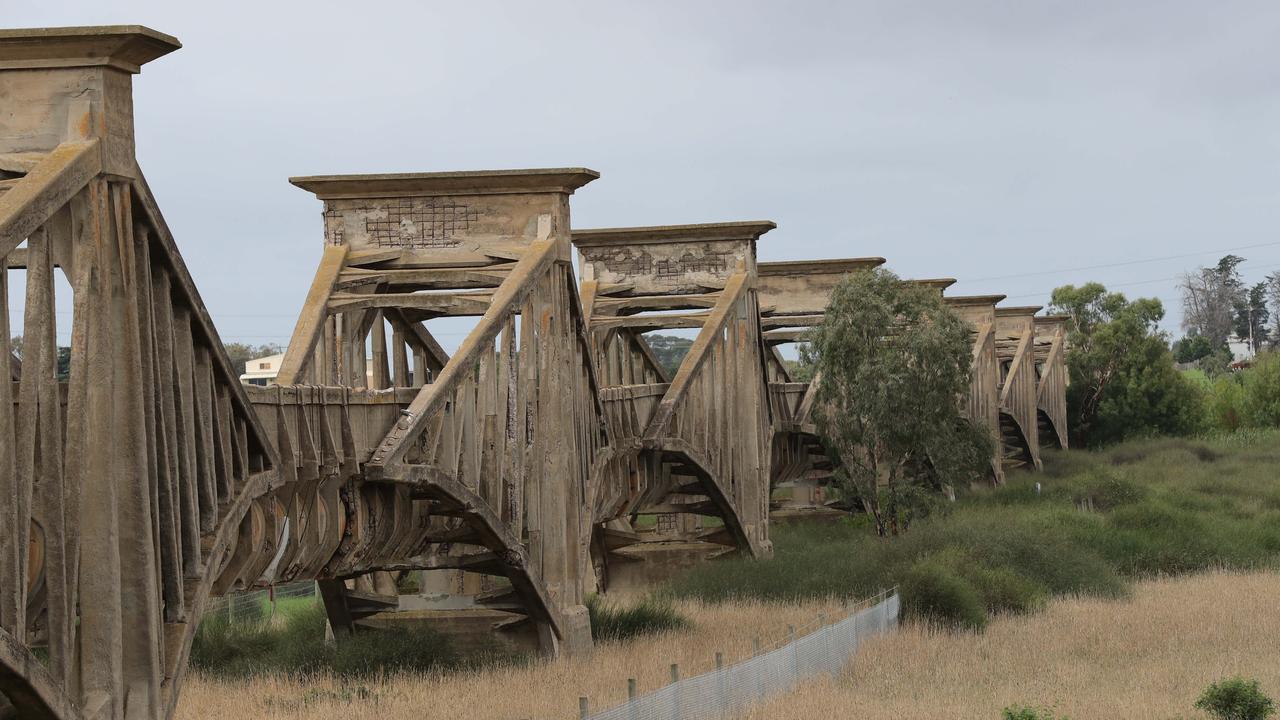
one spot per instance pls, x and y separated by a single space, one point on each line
514 473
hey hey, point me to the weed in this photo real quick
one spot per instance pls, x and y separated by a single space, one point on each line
650 616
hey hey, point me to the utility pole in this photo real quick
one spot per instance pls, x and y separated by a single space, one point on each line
1252 348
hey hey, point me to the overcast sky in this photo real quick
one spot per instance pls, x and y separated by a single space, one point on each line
1001 143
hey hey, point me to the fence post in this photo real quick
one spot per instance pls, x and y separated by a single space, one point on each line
675 691
720 680
584 708
632 711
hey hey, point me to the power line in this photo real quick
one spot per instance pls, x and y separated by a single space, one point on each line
1136 282
1124 263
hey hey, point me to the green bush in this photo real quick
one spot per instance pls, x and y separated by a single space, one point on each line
1102 489
1225 403
1262 391
934 590
1236 699
650 616
1004 590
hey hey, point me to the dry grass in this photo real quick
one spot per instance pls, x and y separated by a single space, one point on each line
546 691
1147 657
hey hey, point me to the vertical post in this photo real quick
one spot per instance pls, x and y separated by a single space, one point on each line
584 708
632 712
720 681
675 693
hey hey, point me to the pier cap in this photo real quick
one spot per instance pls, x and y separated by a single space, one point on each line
124 47
1018 310
665 234
840 266
469 182
940 284
973 300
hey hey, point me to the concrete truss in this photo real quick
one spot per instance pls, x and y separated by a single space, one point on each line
549 456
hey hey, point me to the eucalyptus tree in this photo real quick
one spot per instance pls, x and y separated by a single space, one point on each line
894 363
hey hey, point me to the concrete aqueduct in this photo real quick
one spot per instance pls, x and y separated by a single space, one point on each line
150 479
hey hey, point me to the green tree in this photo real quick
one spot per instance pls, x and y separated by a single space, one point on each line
1123 382
1211 298
64 356
894 362
1191 348
1252 315
800 370
669 350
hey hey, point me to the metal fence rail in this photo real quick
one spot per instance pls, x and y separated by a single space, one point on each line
730 689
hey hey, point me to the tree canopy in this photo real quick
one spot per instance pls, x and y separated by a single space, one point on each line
1123 382
668 350
892 362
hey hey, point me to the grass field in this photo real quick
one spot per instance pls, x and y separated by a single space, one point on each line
546 691
1097 522
1146 657
1075 583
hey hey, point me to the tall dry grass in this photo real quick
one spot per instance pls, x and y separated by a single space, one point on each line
545 691
1146 657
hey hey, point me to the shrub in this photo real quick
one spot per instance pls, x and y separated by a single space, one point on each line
1236 699
1105 489
650 616
1005 591
1224 403
1262 391
932 590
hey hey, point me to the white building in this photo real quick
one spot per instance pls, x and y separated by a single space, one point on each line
1240 350
263 370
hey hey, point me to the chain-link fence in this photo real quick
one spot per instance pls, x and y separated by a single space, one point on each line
258 605
727 690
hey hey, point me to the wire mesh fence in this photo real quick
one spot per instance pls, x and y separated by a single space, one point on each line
258 605
730 689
